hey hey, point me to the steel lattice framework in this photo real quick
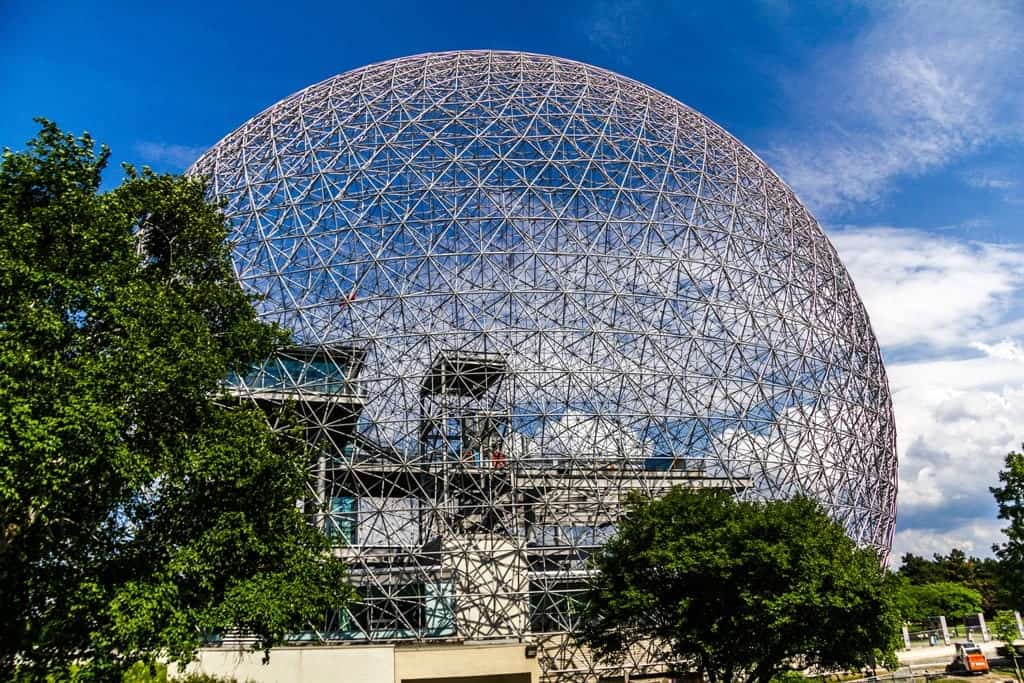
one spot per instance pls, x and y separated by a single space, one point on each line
521 287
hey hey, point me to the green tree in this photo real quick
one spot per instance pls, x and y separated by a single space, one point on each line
741 590
1010 499
1004 626
942 598
140 508
981 575
919 570
992 584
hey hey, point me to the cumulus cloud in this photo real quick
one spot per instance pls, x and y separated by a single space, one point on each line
952 437
949 311
1007 349
969 537
922 85
952 443
178 157
920 289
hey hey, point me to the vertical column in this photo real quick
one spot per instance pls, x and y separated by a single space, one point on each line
1020 626
323 505
984 629
945 630
906 637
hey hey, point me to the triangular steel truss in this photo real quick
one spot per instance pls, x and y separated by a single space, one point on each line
523 287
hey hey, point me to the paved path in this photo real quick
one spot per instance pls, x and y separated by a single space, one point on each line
940 654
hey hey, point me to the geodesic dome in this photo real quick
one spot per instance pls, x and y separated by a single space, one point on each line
521 287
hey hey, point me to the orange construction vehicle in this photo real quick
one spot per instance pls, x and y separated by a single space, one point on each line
969 660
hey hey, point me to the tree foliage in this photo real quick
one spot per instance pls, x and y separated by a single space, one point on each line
941 598
983 575
1010 499
139 507
741 590
1004 627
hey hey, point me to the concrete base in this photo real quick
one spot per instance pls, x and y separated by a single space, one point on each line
503 662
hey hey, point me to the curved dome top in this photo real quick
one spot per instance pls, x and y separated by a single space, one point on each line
633 268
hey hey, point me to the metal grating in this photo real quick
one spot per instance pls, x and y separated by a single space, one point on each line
535 286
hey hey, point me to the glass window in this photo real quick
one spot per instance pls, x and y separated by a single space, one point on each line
343 520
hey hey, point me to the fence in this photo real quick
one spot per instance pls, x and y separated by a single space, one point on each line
938 632
910 676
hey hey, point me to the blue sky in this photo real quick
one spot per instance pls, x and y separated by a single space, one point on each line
900 124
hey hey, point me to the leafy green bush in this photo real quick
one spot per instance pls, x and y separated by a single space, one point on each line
141 673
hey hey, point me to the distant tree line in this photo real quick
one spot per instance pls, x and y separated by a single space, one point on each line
951 585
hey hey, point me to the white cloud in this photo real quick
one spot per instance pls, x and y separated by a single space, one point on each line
968 537
952 442
178 157
1003 182
951 311
959 374
920 289
922 85
990 179
1007 349
615 26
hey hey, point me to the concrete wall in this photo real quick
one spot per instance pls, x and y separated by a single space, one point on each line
358 664
503 662
497 662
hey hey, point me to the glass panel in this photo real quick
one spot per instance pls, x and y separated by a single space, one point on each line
324 374
342 520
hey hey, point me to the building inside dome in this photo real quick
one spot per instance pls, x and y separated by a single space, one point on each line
522 288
